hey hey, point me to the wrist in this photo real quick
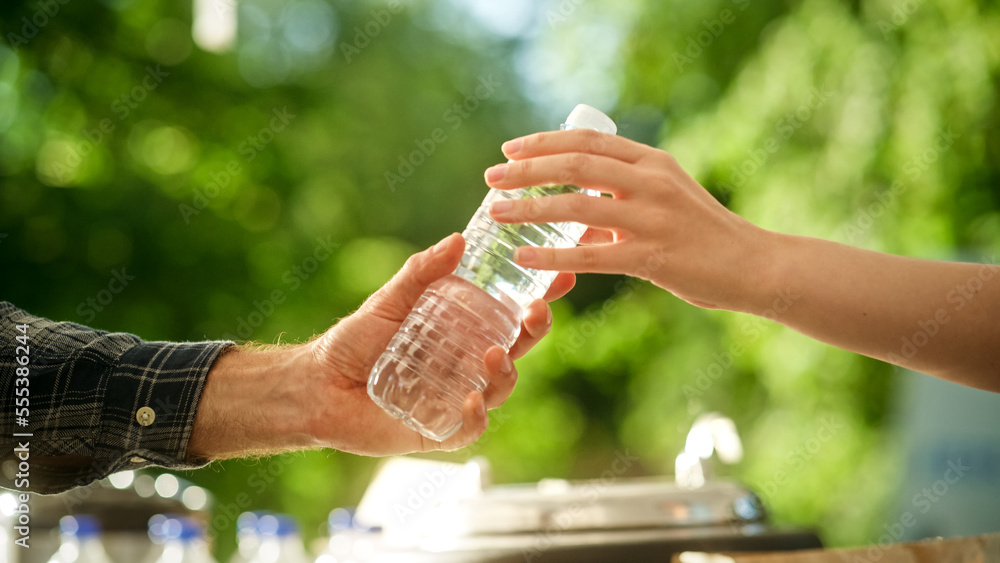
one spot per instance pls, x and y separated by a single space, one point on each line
254 402
765 270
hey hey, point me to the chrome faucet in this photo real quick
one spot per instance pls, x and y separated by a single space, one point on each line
710 433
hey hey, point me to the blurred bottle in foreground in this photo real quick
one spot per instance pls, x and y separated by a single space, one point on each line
279 541
350 541
247 536
436 358
80 541
182 538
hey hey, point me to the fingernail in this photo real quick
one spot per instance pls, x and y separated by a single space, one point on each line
496 173
512 146
439 247
501 207
507 366
525 255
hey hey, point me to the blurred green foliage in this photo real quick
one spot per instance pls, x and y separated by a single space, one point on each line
214 180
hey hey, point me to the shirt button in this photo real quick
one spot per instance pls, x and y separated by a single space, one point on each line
145 416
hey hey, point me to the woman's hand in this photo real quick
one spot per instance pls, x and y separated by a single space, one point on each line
659 224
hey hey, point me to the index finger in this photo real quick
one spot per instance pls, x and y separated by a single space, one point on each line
575 140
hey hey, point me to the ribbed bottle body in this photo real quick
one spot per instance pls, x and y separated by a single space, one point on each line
436 358
488 261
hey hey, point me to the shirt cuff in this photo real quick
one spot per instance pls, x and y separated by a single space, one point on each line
150 406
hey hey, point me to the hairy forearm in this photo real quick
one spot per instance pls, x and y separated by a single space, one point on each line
253 404
939 318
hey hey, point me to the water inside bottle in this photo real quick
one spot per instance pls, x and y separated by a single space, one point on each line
436 358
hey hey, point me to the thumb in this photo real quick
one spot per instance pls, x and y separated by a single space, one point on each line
401 293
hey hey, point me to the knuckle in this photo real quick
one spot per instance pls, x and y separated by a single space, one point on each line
578 165
532 208
595 141
659 178
666 158
536 142
589 256
522 168
412 264
581 160
576 204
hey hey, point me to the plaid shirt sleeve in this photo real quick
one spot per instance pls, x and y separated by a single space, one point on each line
99 402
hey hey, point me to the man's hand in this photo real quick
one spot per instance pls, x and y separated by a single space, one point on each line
315 395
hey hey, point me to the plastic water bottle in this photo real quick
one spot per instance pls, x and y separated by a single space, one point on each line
182 537
247 536
436 358
279 541
350 541
80 541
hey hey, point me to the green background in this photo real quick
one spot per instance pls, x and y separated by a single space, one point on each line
798 115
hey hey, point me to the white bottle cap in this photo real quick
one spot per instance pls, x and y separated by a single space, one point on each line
586 117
